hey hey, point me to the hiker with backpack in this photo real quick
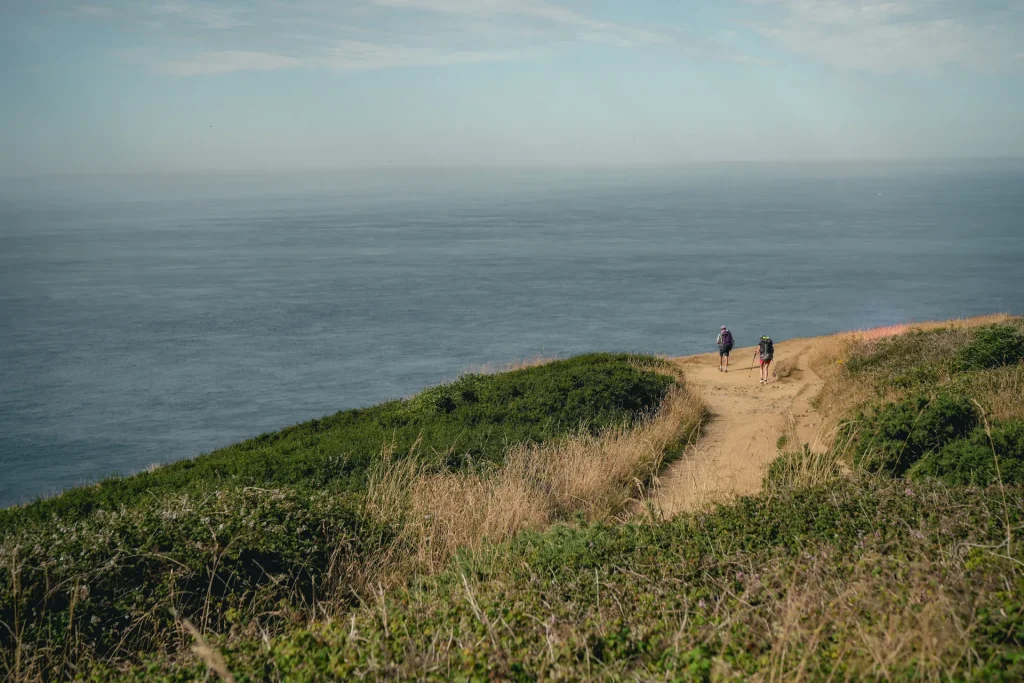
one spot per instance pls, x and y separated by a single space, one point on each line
724 347
765 352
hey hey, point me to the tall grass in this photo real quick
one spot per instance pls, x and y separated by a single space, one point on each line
594 477
511 366
1001 391
803 469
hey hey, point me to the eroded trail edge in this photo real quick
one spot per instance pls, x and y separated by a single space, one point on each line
747 420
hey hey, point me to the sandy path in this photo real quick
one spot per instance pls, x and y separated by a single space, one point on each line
747 420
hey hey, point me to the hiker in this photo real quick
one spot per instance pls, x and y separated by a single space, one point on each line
724 347
766 352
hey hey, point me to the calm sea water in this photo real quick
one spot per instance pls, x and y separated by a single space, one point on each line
144 320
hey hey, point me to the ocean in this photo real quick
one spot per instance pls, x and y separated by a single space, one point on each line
145 319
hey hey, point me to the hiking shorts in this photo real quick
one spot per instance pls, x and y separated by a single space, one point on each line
723 351
766 361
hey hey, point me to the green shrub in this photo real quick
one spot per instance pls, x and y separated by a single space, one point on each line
891 438
971 461
992 347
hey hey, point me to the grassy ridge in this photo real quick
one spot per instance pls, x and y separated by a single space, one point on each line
473 419
250 538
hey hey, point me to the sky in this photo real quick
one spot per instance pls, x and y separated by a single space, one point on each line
127 86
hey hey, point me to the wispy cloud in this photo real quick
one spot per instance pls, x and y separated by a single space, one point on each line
224 62
201 14
890 36
582 26
212 37
352 55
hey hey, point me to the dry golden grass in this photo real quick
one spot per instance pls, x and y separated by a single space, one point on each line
803 469
210 656
1001 391
511 366
596 476
963 323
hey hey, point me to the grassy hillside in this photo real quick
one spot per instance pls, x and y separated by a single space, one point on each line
471 420
281 528
895 554
823 576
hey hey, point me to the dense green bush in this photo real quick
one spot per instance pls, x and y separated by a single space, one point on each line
472 419
992 347
972 461
890 438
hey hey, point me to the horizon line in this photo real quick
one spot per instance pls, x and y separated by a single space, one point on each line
201 172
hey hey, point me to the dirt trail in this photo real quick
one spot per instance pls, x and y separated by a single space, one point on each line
747 420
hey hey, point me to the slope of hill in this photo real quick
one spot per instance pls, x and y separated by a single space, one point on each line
859 518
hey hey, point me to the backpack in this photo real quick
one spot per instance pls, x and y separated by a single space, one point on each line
766 348
727 338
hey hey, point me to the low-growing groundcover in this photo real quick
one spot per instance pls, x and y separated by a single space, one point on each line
272 531
862 578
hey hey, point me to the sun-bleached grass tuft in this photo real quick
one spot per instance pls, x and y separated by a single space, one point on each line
1002 391
511 366
458 510
803 468
596 476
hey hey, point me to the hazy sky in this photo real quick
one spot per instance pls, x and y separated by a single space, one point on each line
171 85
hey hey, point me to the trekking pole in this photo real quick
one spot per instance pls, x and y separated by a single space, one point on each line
752 364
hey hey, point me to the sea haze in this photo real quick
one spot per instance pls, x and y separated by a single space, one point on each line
148 319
